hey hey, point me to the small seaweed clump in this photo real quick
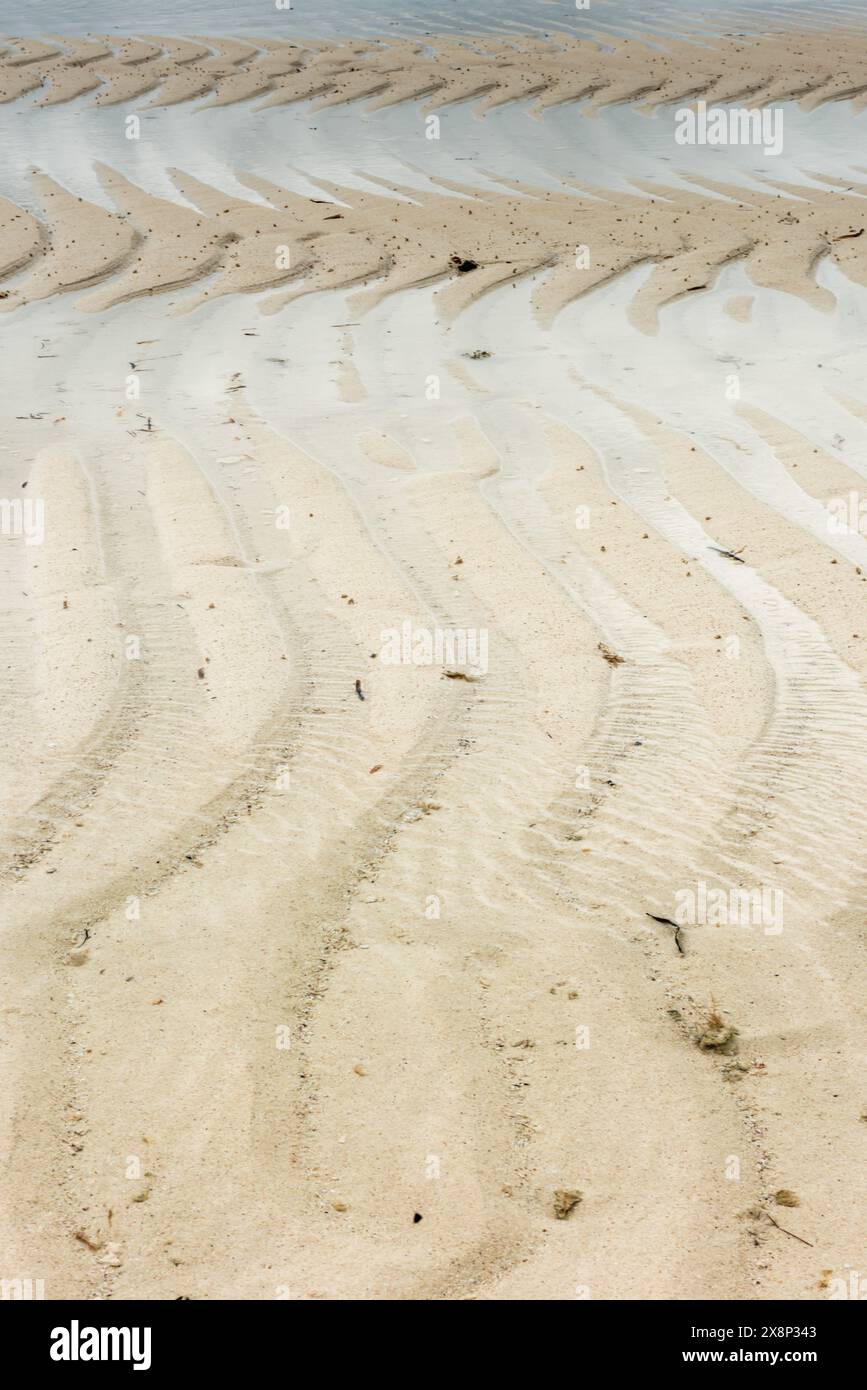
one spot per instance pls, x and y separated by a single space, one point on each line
716 1034
564 1201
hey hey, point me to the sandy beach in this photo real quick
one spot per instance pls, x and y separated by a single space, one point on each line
433 855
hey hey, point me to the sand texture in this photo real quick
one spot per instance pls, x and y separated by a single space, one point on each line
810 68
313 996
466 245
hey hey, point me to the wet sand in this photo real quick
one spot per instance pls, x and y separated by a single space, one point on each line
286 970
757 69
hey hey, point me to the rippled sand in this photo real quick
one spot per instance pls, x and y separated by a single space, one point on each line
780 66
313 996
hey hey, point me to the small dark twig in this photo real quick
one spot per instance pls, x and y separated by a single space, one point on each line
730 554
666 921
787 1232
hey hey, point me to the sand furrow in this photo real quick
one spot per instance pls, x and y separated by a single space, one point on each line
432 553
827 67
158 245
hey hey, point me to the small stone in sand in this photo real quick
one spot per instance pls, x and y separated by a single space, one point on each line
564 1201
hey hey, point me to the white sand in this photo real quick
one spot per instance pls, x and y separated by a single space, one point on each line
284 969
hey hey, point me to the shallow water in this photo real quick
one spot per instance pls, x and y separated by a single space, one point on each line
294 145
328 18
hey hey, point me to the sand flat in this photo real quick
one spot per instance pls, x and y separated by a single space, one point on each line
805 66
421 599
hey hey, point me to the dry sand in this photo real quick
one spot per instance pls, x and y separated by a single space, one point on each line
312 997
